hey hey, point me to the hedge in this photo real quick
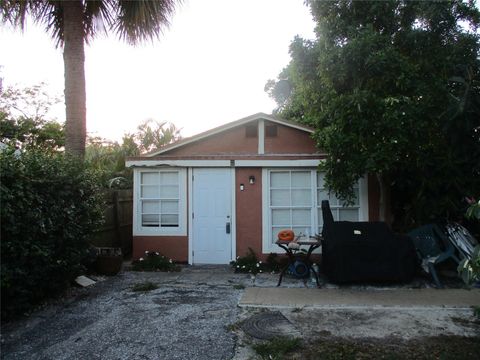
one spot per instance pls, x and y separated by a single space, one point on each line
50 205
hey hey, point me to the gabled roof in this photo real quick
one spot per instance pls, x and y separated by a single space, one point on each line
230 125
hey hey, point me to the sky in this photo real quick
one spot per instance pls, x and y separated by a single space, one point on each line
209 67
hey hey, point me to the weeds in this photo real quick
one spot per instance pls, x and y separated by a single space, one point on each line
276 348
144 287
476 311
250 263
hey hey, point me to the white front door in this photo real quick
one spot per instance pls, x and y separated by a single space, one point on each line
212 216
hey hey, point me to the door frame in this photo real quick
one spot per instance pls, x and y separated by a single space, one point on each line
233 224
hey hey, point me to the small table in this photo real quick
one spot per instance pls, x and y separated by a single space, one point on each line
292 256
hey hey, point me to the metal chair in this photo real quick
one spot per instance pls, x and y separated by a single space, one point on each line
428 241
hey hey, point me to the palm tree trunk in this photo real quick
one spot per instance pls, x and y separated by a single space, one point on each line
74 62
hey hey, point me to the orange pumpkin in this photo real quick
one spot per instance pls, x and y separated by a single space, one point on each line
286 235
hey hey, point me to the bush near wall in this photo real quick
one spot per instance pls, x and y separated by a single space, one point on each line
50 205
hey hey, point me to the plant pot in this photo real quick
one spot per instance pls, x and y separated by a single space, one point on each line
109 261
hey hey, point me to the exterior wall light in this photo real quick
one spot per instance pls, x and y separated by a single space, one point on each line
251 179
242 187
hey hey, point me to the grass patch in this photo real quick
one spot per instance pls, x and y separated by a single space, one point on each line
476 311
277 348
441 347
233 327
145 286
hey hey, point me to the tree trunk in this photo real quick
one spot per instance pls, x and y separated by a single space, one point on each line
382 201
75 94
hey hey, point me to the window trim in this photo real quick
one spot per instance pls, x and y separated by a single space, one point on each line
267 245
138 229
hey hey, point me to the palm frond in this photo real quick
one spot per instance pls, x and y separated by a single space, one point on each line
136 21
133 20
98 17
50 13
44 12
15 11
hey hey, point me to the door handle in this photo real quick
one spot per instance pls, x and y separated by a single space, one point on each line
227 228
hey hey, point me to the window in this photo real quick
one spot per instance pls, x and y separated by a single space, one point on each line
340 212
160 202
292 200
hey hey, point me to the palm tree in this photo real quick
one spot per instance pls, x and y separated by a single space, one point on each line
75 22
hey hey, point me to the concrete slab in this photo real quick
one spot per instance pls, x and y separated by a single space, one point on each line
357 298
84 281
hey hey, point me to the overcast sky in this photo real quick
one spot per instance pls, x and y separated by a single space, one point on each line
208 69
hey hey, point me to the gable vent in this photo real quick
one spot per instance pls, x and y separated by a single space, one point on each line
251 131
271 130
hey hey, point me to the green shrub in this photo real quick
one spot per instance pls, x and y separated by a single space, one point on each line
50 206
154 261
250 263
469 269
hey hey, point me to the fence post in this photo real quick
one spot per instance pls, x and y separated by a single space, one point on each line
116 221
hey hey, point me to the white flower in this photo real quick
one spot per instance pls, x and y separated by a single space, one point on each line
243 267
259 262
141 259
170 261
156 253
238 257
260 270
146 252
258 265
238 266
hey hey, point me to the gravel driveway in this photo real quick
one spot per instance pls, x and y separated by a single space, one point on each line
187 317
193 314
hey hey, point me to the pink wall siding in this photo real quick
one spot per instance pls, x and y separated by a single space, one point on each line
174 247
231 141
289 141
248 211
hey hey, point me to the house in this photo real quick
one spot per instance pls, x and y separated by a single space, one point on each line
210 197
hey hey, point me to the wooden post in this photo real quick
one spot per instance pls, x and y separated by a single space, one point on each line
116 221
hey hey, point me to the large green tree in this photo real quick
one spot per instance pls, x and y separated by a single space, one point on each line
73 23
108 157
25 119
151 135
392 89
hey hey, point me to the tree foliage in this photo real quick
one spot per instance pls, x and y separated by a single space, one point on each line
151 135
25 120
108 157
393 89
26 124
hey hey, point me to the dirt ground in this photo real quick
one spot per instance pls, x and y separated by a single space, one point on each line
368 334
193 314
